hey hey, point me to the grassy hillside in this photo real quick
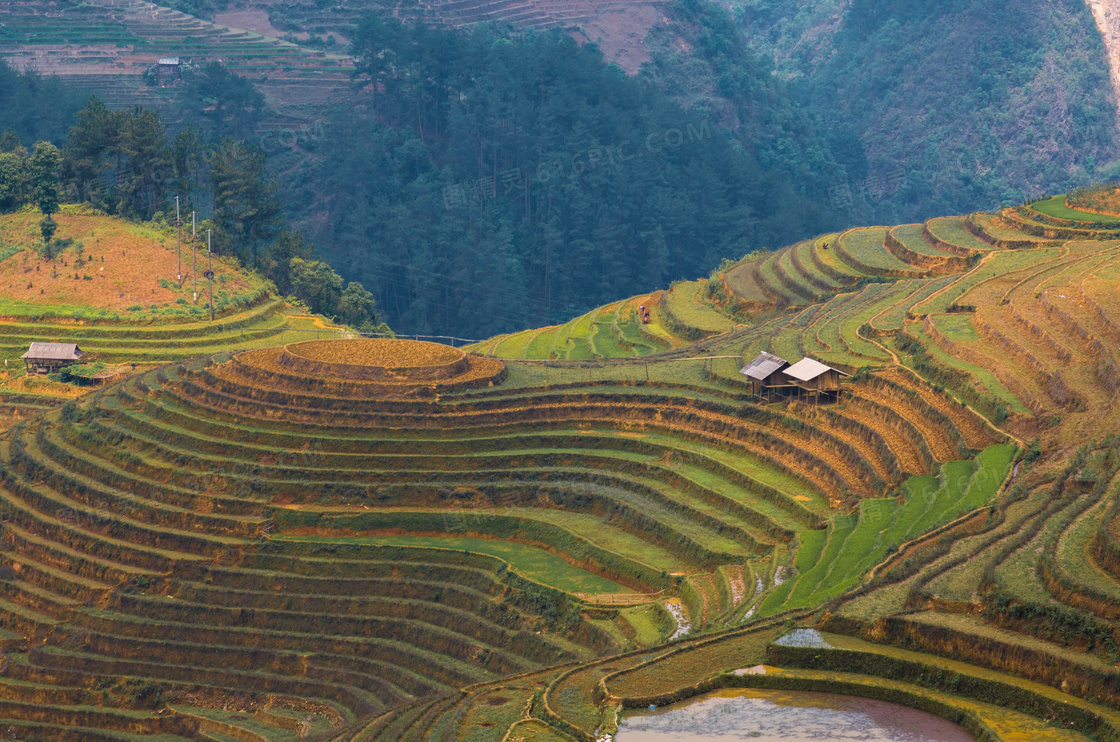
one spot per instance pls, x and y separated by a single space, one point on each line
111 286
112 270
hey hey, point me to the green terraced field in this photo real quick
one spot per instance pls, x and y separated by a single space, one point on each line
804 252
683 303
515 345
1006 605
536 564
826 255
892 318
853 544
998 266
614 331
838 334
866 246
910 235
983 375
1056 206
952 229
641 481
990 226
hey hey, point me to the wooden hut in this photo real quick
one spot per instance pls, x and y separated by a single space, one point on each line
48 358
168 70
767 374
815 379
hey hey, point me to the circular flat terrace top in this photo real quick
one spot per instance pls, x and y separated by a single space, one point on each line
387 353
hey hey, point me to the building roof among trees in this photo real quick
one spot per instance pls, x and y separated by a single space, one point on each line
763 366
53 352
807 369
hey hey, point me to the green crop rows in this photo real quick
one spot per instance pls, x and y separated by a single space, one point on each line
834 562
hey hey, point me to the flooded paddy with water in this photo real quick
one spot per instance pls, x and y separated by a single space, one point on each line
783 716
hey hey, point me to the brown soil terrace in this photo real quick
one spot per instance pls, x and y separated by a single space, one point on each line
280 369
374 359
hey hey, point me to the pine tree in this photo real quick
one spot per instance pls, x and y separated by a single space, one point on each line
86 148
12 177
246 206
43 169
187 158
146 157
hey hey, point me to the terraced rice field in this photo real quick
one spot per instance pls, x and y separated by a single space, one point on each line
836 561
794 279
1003 269
863 249
1057 207
535 564
999 569
613 331
502 550
179 509
98 44
912 237
685 313
952 231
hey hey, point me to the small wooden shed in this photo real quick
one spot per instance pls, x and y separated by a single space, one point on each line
48 358
815 378
168 70
767 373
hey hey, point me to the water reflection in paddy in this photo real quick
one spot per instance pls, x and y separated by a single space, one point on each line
780 716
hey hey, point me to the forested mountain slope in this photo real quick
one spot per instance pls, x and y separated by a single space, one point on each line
978 103
821 114
1107 15
492 181
889 112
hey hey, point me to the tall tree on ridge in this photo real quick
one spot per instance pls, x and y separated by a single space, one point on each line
232 104
85 149
277 259
246 206
43 169
188 156
13 176
144 144
118 160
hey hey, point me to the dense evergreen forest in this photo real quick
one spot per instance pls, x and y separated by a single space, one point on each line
492 179
124 163
702 61
34 107
979 102
497 181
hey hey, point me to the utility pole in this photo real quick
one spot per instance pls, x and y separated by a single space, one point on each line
179 240
210 274
194 258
